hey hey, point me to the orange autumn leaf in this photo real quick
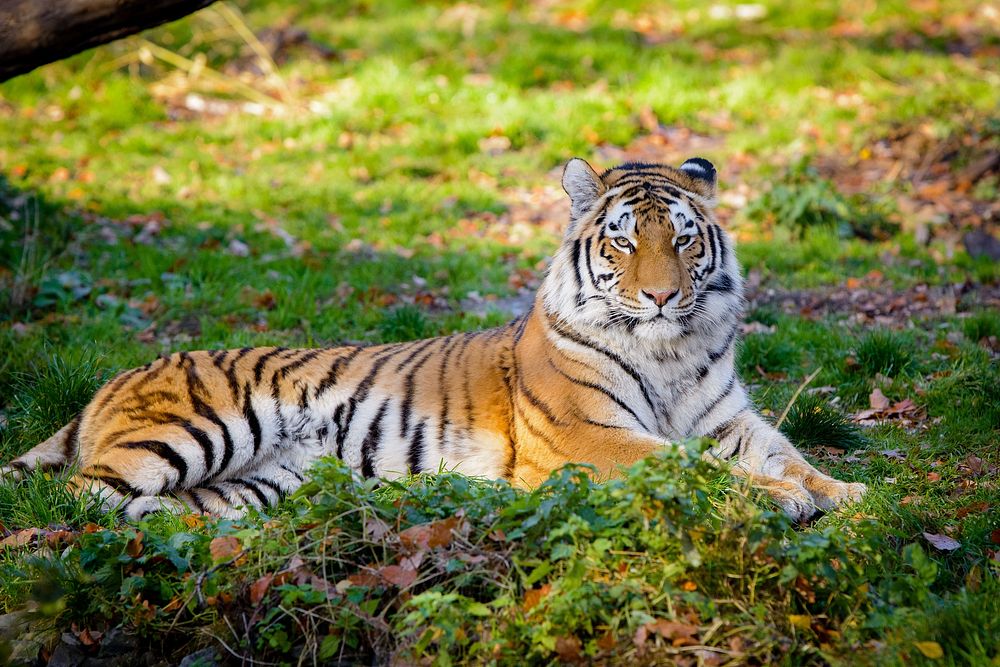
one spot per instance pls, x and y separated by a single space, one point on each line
222 548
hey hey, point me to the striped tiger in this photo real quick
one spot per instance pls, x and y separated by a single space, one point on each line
629 346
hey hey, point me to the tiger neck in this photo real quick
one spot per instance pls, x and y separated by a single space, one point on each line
647 356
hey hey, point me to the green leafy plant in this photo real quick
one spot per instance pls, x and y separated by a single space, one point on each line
802 200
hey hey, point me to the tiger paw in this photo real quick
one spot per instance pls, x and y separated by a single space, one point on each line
829 494
792 498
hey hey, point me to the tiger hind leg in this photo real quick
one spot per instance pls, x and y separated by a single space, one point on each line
54 453
263 486
258 488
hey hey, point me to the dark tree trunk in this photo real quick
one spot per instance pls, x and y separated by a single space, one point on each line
36 32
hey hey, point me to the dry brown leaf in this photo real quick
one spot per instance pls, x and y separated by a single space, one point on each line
533 596
259 588
134 546
430 535
222 548
568 648
942 542
877 400
398 575
20 538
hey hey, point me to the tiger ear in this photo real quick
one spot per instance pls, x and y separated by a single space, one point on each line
703 175
583 186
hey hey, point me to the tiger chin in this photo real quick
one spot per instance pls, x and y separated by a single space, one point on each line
629 346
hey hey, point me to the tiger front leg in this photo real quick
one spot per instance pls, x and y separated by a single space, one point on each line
768 460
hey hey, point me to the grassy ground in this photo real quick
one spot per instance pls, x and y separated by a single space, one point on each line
396 176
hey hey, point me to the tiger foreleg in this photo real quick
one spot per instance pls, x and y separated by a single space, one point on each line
760 453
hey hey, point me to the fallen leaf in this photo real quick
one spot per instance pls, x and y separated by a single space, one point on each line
222 548
398 576
942 542
258 589
533 596
800 621
568 648
877 400
20 538
933 477
995 536
430 535
376 529
678 634
134 546
930 650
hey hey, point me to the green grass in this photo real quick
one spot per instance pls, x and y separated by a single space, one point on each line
382 186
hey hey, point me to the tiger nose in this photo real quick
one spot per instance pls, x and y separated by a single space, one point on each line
659 298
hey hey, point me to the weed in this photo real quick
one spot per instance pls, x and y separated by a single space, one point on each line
813 422
982 324
404 323
46 400
770 353
884 352
803 200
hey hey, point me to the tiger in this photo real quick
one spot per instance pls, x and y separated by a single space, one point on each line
628 348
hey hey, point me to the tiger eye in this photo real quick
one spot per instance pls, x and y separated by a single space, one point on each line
682 240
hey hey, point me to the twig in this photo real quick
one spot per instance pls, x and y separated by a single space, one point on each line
805 383
235 20
192 67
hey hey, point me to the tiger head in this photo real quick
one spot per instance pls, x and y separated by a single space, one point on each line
643 251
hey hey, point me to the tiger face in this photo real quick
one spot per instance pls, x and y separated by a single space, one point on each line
643 250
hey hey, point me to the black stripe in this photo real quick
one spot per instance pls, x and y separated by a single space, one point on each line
722 431
579 340
722 247
467 389
409 387
339 364
112 389
298 363
270 484
590 268
604 390
204 442
19 465
722 283
536 402
715 356
413 355
338 416
116 483
444 422
370 444
294 473
164 451
223 495
206 411
715 402
195 500
416 449
577 276
258 368
234 386
715 253
254 489
69 443
251 416
360 394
